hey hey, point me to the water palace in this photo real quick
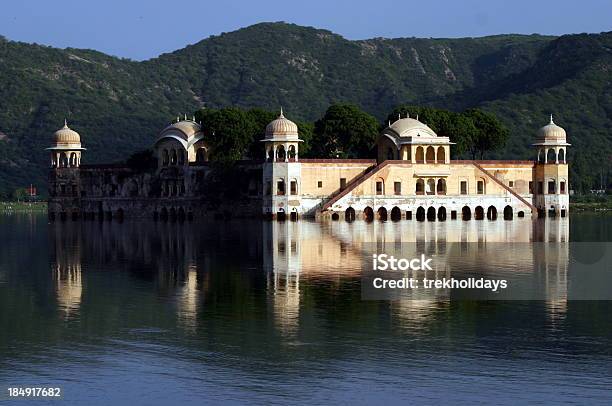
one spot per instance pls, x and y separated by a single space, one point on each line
413 178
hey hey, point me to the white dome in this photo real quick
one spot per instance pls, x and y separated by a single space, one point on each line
187 128
282 128
66 135
551 132
410 127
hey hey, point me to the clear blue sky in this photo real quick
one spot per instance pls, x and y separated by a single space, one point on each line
141 30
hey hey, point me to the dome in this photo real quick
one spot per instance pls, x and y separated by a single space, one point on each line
188 128
410 127
282 128
65 135
551 132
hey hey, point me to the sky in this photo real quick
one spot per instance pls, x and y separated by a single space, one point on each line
144 29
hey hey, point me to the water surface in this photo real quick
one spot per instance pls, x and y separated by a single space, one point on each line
159 313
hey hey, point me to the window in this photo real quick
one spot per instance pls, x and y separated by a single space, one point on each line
342 183
320 184
293 187
480 187
397 188
420 187
379 188
464 187
551 187
280 187
530 188
562 187
511 183
540 188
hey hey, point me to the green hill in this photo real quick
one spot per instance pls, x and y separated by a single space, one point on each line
118 105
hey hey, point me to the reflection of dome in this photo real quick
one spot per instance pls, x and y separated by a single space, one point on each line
65 135
410 127
282 128
552 132
186 128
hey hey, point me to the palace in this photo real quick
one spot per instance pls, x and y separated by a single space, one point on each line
413 178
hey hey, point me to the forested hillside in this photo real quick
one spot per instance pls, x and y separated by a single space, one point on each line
119 105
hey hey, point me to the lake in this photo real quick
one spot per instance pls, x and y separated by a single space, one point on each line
267 312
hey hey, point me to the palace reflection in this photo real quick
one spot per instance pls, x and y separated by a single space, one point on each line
536 254
188 265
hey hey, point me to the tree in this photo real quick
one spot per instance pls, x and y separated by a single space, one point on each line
488 133
230 132
345 131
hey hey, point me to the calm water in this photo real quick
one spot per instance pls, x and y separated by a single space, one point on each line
146 313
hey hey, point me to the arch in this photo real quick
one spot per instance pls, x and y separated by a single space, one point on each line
551 156
396 214
382 214
420 187
335 216
181 214
521 214
293 216
172 214
431 186
431 214
73 159
466 213
390 153
541 155
561 155
63 160
281 215
430 156
173 157
280 153
270 154
165 157
201 155
291 153
420 155
441 157
441 187
508 214
492 213
349 214
420 214
479 213
368 214
442 214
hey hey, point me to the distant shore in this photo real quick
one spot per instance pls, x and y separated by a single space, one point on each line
591 203
23 207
